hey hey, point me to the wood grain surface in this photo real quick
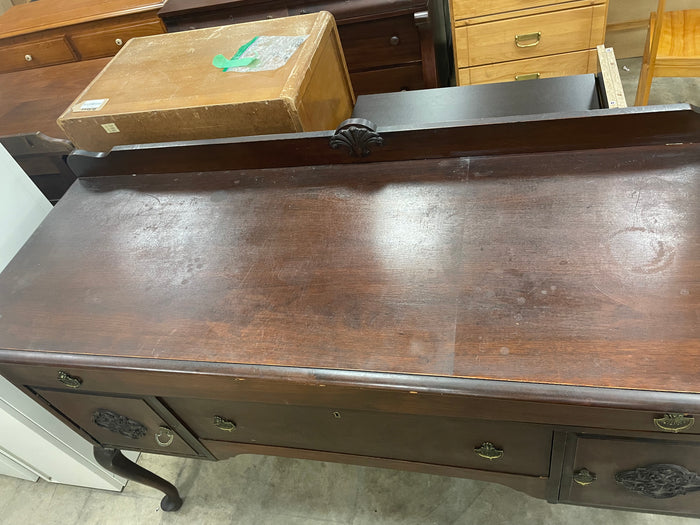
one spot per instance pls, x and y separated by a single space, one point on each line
33 100
39 16
576 268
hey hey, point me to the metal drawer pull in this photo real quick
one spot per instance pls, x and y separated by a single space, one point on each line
394 40
488 451
69 380
584 477
674 422
28 58
528 36
119 41
224 424
164 437
528 76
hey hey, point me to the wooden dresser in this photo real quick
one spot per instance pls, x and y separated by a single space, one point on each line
389 45
511 299
50 32
503 40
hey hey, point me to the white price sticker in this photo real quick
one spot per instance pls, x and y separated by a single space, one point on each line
110 127
91 105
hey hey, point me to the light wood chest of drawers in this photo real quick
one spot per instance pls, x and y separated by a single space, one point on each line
503 40
42 34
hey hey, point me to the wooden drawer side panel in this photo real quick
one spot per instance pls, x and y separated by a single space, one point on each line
443 441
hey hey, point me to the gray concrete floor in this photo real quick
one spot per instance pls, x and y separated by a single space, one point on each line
267 490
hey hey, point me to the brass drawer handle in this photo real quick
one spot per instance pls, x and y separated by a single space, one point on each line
584 477
224 424
69 380
674 422
118 41
488 451
527 76
28 58
528 36
164 437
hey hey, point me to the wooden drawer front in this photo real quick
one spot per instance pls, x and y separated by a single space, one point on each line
41 53
379 43
470 8
107 42
577 63
609 458
436 440
142 430
388 80
560 32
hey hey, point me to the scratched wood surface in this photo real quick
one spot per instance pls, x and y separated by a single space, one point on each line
575 268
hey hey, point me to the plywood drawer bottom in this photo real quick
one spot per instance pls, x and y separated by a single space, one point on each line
577 63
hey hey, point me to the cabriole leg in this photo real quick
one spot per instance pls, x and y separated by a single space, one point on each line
113 460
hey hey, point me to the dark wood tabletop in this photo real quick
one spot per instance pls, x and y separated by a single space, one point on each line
568 268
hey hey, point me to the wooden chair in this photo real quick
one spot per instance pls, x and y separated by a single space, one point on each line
672 48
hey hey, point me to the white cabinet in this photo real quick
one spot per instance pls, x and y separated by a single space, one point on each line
34 443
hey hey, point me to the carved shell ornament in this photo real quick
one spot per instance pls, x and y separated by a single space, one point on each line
357 136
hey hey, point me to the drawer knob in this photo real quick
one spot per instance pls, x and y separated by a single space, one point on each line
224 424
526 37
118 41
164 437
527 76
674 422
394 40
488 451
584 477
28 58
69 380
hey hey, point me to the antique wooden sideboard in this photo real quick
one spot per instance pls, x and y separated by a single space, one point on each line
46 33
389 45
511 299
